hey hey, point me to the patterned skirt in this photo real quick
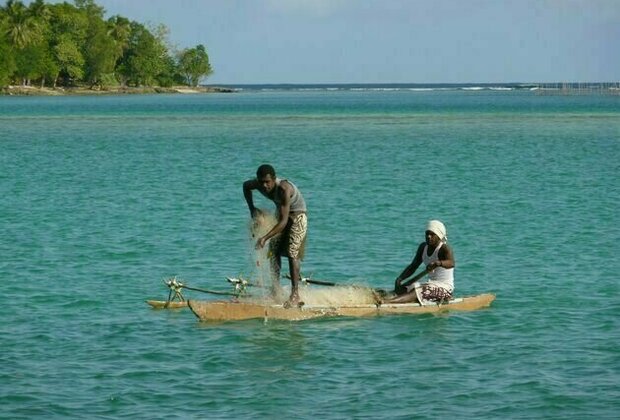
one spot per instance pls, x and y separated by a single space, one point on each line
292 241
430 293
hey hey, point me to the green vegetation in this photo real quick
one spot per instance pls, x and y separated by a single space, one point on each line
72 45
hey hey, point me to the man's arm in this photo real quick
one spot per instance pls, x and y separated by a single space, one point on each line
284 210
248 186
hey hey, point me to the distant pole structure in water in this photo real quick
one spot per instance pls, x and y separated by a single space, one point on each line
577 88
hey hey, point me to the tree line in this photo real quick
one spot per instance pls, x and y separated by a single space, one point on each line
67 44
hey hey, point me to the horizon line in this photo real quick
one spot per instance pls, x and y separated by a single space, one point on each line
408 83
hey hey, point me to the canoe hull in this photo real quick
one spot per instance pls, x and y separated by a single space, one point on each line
236 311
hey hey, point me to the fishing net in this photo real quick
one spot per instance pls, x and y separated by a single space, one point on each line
268 288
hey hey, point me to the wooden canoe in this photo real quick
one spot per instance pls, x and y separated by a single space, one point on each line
161 304
235 311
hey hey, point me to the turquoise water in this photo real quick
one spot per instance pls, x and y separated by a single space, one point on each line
102 198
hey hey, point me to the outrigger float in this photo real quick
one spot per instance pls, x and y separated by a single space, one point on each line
244 307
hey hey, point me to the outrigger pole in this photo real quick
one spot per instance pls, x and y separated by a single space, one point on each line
176 286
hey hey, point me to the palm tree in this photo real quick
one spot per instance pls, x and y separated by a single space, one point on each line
22 28
119 28
40 11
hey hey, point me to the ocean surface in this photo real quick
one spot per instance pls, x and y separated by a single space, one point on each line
103 198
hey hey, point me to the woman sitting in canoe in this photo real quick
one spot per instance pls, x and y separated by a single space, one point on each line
438 258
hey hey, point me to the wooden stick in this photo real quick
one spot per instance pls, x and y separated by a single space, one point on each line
319 282
214 292
418 276
414 278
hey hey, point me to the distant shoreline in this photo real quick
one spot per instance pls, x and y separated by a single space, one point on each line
535 88
83 91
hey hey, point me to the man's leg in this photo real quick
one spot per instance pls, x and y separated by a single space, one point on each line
294 270
295 237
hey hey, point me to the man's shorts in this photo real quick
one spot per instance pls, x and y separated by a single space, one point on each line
292 241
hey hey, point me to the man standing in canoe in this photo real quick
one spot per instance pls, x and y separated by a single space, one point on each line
438 258
288 237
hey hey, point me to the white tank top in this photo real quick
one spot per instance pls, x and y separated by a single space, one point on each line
443 277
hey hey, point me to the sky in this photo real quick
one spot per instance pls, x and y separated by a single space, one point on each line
392 41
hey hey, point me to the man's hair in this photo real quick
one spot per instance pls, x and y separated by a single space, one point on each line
265 170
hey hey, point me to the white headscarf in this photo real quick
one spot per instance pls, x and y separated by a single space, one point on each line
438 229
